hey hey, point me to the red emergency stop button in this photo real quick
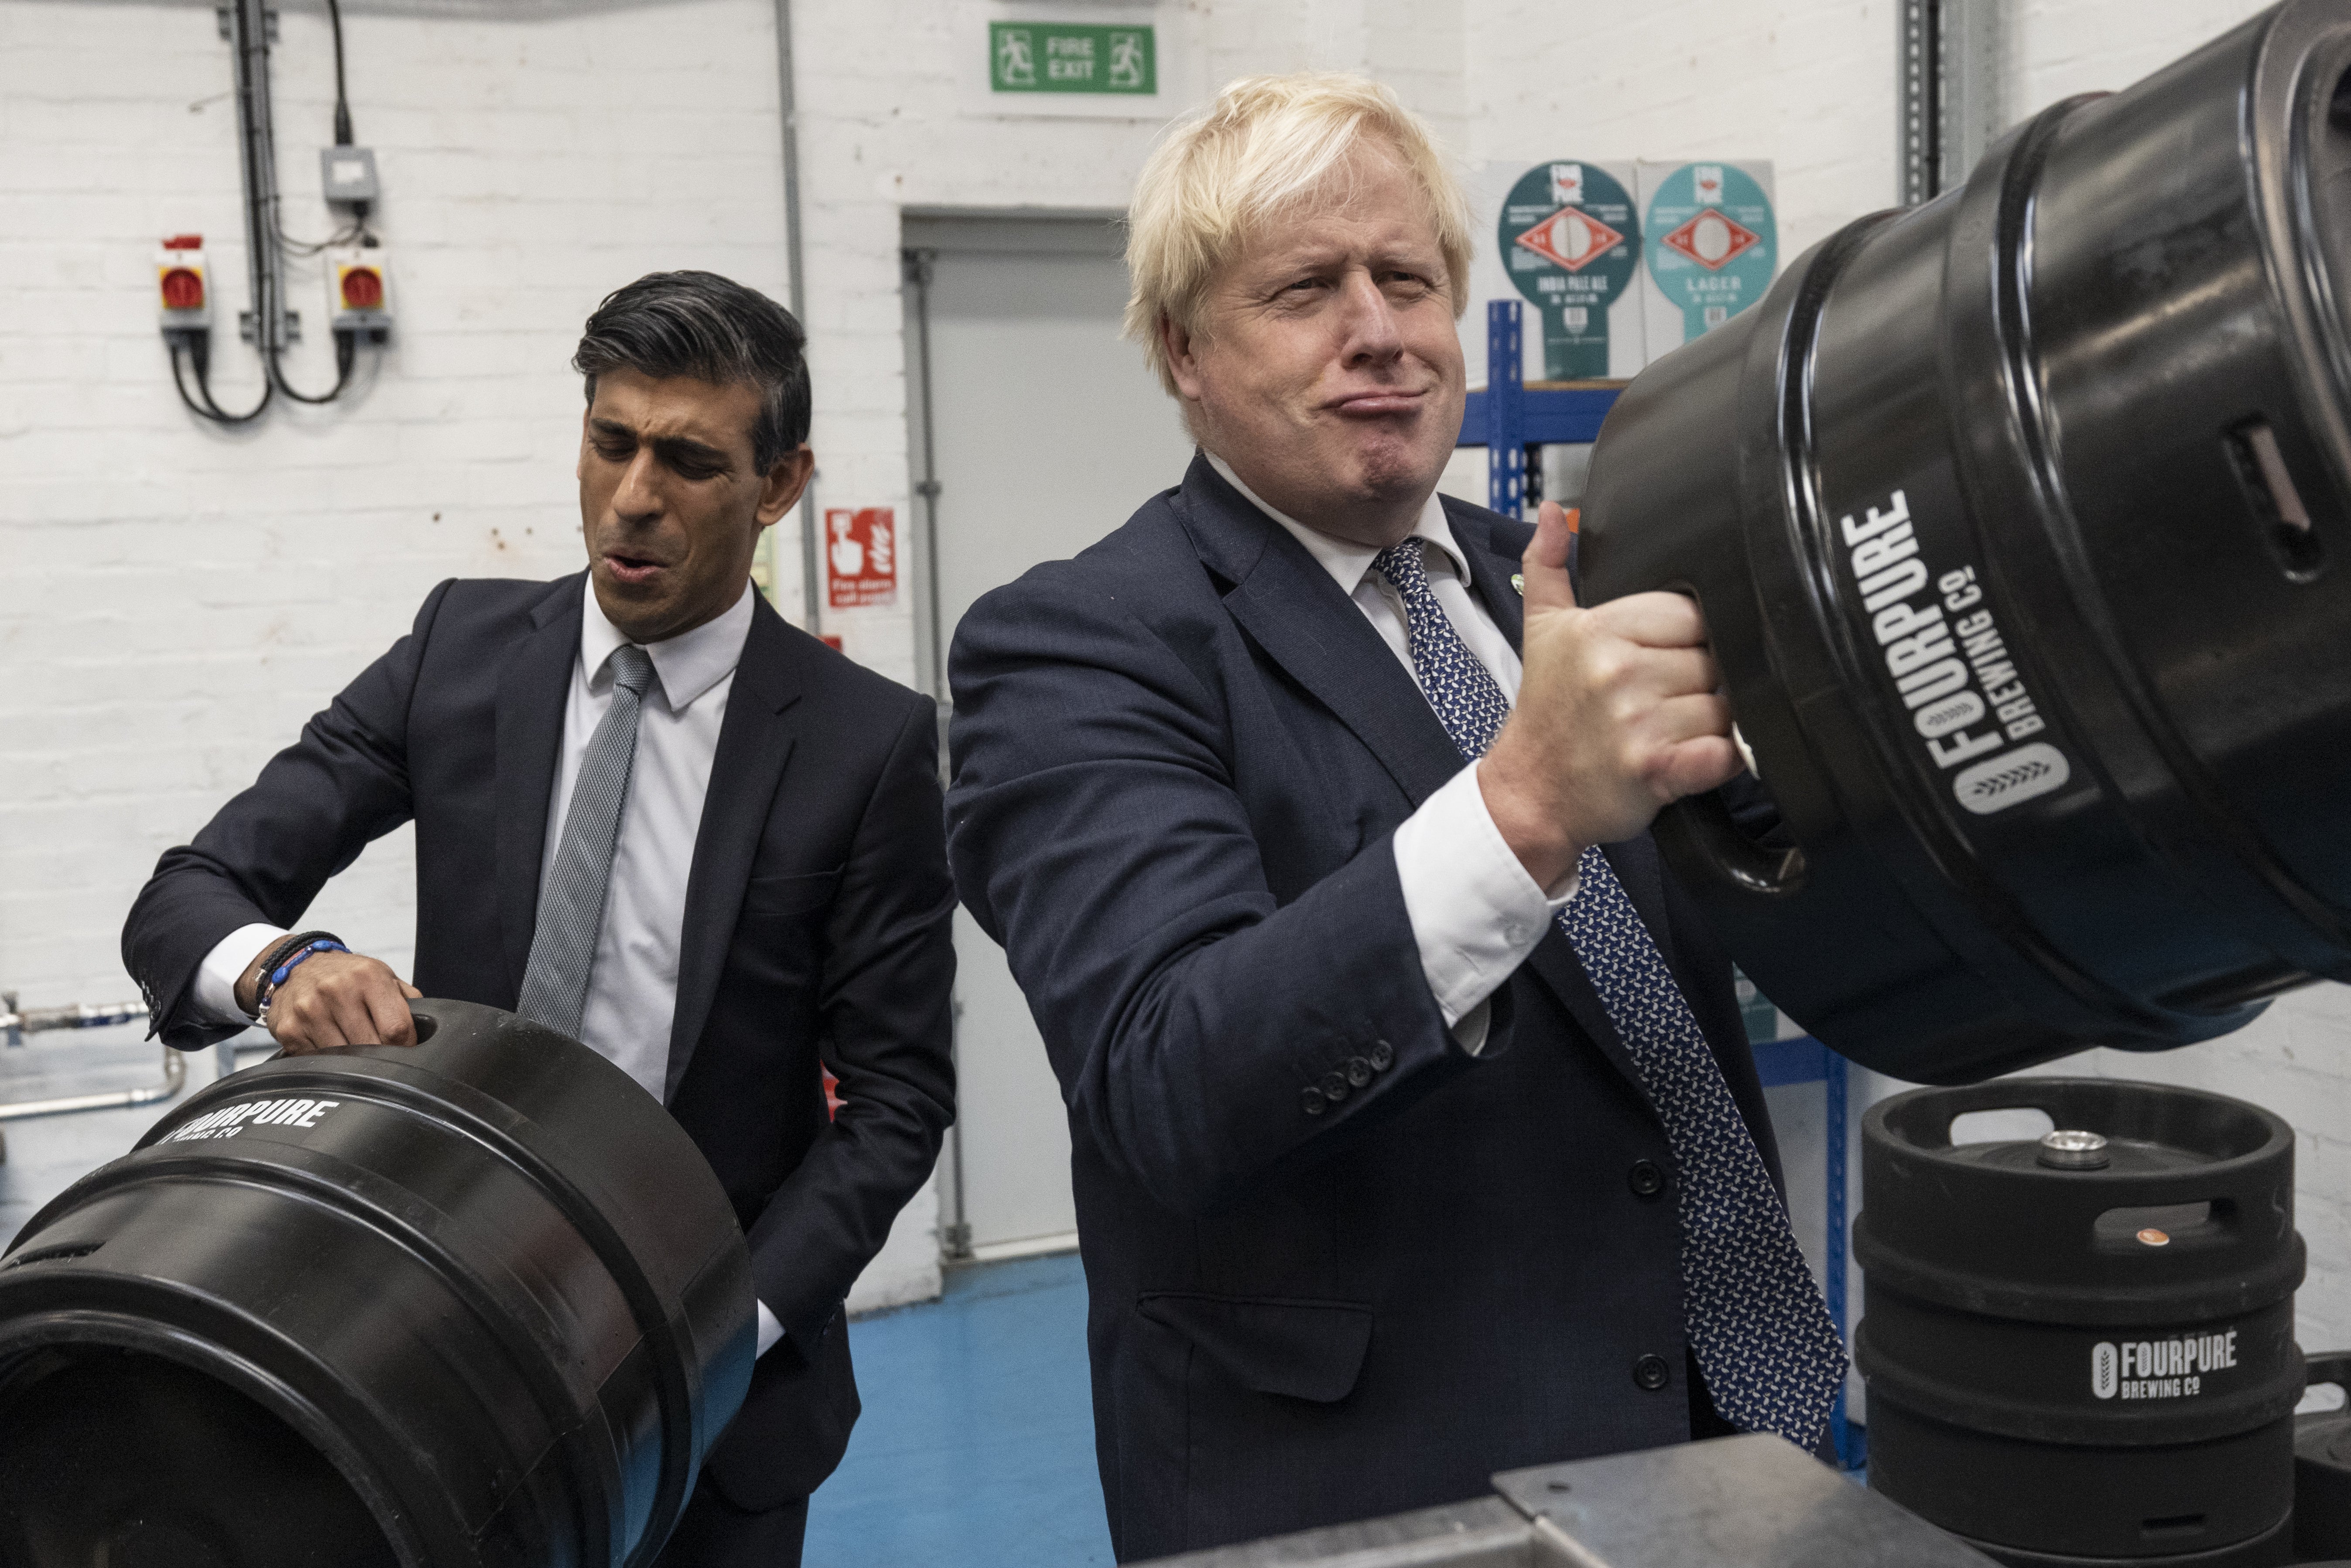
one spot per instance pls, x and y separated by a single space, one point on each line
362 289
183 289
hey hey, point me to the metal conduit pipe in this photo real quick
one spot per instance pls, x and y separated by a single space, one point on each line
175 1076
16 1022
256 142
787 102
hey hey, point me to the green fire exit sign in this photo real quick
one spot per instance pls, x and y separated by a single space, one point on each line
1072 57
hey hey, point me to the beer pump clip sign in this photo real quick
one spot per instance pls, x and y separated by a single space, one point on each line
1712 244
1570 241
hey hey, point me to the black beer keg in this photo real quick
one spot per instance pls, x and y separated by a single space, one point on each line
2019 520
2080 1349
476 1303
2322 1467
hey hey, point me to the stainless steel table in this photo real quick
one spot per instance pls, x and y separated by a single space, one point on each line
1744 1502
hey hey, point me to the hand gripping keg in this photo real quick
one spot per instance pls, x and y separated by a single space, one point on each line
2017 519
476 1303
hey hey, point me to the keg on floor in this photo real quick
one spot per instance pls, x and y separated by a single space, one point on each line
476 1303
2020 523
2079 1349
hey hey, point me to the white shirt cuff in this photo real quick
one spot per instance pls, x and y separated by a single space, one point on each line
224 966
1476 913
770 1330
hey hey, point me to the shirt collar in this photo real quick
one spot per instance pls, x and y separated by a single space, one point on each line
688 665
1346 562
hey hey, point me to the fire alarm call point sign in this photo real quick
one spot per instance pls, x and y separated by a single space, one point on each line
861 557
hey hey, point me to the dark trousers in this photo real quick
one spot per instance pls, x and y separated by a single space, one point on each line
715 1533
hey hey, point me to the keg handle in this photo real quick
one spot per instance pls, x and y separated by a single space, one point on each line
1700 828
2328 1366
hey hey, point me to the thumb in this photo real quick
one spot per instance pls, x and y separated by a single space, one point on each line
1545 565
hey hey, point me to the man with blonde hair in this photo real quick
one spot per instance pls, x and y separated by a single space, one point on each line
1415 1134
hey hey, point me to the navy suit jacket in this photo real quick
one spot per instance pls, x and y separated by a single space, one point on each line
817 930
1180 760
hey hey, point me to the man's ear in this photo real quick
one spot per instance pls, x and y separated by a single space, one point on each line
781 487
580 464
1175 342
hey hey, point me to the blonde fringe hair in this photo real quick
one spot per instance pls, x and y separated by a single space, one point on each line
1264 147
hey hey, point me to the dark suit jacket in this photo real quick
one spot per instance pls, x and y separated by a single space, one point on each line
817 927
1179 762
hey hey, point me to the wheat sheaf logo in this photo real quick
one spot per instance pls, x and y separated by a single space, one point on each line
2000 782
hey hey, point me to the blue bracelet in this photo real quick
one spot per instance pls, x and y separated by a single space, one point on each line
277 977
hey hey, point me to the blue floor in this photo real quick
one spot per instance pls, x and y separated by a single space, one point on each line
976 1447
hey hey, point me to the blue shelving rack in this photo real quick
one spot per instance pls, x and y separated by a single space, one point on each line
1508 415
1506 419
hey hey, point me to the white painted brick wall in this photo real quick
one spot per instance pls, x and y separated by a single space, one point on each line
1808 84
2058 47
180 598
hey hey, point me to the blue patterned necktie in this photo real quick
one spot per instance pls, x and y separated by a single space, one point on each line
1770 1353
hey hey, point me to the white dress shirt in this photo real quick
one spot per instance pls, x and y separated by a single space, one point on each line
1476 912
633 986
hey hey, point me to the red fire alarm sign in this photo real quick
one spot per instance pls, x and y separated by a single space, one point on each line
861 557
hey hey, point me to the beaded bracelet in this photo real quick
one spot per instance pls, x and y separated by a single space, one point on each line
284 949
282 963
271 957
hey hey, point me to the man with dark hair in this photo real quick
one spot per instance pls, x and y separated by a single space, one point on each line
652 816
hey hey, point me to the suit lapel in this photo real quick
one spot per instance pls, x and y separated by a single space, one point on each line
1290 607
754 741
530 707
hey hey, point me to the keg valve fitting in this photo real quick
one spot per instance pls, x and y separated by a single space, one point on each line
2071 1149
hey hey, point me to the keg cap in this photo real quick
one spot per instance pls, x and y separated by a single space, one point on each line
2072 1149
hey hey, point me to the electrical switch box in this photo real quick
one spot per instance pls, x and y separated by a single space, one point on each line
183 287
348 174
359 291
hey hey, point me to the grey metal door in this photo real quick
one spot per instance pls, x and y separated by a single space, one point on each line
1036 432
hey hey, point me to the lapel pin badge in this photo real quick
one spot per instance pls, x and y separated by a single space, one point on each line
1519 583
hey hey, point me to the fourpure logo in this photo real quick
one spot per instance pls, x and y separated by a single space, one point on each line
2159 1369
1947 658
230 1120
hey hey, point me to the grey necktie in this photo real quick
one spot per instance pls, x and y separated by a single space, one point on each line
571 904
